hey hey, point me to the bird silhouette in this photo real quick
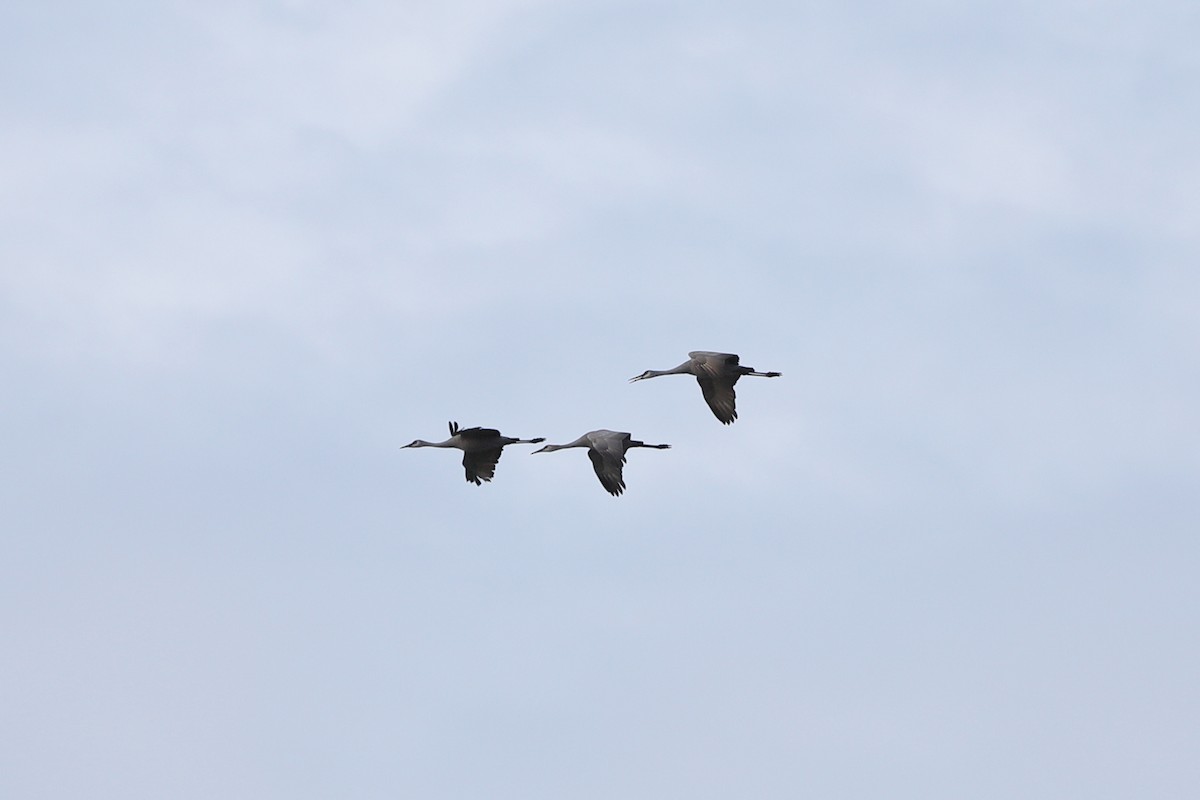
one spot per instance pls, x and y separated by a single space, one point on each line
607 451
716 373
481 449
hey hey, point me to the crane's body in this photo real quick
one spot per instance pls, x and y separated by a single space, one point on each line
481 448
606 449
716 373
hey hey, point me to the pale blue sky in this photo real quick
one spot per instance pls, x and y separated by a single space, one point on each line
251 248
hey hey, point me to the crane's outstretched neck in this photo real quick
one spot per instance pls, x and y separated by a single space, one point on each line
550 448
683 369
423 443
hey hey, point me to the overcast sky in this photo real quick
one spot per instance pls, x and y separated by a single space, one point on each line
248 249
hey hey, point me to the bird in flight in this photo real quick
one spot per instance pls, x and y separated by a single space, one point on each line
607 451
481 449
716 373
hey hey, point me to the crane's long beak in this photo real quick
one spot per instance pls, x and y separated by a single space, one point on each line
636 378
539 450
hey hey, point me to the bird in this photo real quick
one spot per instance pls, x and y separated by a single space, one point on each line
481 449
607 451
716 373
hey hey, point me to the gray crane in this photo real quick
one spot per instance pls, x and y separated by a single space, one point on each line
481 449
607 451
716 373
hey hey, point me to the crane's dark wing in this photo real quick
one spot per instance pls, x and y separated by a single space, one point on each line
480 465
478 434
713 361
719 394
608 470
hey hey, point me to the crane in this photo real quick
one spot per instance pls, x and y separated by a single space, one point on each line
481 449
716 373
607 451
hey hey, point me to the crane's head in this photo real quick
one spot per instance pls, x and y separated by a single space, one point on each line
647 374
416 443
